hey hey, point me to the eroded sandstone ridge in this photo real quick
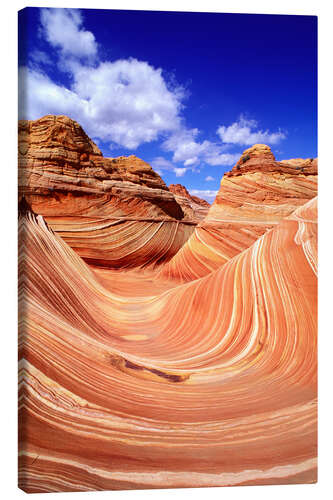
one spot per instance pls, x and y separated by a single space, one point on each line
194 207
61 169
195 371
64 177
253 197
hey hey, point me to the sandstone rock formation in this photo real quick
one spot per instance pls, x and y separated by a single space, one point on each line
182 192
108 209
253 197
211 383
156 351
193 206
56 157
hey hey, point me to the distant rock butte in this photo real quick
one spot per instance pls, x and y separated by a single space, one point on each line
253 197
259 158
262 188
193 206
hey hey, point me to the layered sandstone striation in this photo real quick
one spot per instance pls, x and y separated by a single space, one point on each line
194 207
211 383
56 157
116 212
253 197
156 351
182 192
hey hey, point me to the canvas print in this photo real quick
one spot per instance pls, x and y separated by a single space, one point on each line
167 249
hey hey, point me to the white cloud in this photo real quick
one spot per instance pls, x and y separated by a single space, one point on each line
218 159
159 164
126 102
209 178
38 56
190 161
39 96
180 171
63 30
207 194
184 146
244 132
187 149
129 102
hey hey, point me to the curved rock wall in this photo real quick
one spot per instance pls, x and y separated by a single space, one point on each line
152 356
169 389
253 197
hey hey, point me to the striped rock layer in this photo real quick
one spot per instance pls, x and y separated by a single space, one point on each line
253 197
193 206
114 212
208 383
158 349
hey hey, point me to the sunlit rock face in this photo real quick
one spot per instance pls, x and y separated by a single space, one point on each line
253 197
211 383
194 207
115 212
137 371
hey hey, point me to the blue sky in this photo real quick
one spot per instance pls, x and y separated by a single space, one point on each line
186 92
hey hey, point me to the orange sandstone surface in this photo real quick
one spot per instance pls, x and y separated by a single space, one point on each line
253 197
114 212
199 371
196 208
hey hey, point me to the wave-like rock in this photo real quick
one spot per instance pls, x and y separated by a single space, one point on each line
208 383
116 212
253 197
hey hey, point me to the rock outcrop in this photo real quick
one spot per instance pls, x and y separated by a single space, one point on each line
182 192
253 197
194 207
105 208
62 170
